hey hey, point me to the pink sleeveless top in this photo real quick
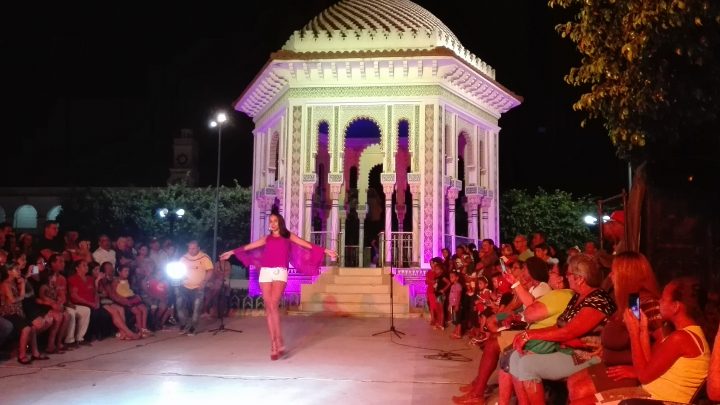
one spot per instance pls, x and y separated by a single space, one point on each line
277 252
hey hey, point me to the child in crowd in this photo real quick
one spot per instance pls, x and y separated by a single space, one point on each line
454 303
482 304
435 305
467 305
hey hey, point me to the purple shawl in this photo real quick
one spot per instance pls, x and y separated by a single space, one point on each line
305 261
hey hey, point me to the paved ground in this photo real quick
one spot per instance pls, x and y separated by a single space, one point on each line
331 360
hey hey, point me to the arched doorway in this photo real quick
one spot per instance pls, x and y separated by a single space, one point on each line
25 218
362 153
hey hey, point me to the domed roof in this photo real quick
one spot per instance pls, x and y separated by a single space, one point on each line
378 15
372 26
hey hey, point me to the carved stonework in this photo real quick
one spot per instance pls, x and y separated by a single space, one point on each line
388 189
335 178
388 178
335 189
473 201
309 189
428 177
452 195
415 190
486 203
295 165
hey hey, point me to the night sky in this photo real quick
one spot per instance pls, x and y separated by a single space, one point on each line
93 97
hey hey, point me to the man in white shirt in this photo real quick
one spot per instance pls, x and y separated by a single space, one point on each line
199 268
104 253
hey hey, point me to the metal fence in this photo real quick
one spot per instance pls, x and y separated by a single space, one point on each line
401 249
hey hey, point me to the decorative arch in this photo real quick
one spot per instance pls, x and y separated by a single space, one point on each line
53 213
468 154
380 115
274 154
25 217
370 157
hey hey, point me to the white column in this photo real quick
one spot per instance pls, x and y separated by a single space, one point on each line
415 190
472 207
400 210
486 228
260 204
309 189
335 189
452 195
341 247
388 189
361 242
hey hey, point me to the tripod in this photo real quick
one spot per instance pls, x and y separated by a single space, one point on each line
392 313
221 314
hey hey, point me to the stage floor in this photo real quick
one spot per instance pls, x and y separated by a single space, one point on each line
330 361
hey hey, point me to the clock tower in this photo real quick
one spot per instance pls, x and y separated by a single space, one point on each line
185 159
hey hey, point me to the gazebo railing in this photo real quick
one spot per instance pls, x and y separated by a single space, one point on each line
401 249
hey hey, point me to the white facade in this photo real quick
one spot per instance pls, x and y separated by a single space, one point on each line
412 69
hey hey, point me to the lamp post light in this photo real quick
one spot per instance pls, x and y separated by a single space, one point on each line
171 216
218 123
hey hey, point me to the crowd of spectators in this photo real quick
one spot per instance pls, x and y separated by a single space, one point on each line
58 294
580 326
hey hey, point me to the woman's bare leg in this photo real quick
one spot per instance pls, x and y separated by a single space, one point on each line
119 321
54 337
26 337
278 288
267 297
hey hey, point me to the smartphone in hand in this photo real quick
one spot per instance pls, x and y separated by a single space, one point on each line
634 304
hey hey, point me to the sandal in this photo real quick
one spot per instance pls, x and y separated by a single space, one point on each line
24 360
40 357
55 351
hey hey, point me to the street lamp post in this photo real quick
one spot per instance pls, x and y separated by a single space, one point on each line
218 122
171 216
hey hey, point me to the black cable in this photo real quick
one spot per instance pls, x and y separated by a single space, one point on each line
441 354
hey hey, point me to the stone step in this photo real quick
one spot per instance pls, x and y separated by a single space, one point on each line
365 280
348 298
351 308
357 289
360 272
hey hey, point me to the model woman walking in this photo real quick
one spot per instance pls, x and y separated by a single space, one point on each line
272 253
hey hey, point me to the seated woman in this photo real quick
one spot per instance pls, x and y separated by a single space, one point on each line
631 273
541 312
122 294
675 367
12 294
577 329
103 284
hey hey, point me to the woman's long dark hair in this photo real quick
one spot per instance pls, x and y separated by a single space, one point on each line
282 228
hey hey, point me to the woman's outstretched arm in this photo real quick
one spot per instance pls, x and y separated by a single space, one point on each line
307 245
252 245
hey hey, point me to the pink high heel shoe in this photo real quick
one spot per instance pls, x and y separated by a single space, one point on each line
274 352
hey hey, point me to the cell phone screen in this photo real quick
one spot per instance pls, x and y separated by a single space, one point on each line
503 267
634 304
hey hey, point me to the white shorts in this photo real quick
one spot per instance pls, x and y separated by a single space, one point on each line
269 274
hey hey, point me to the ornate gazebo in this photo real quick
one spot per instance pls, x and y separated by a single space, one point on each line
373 118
